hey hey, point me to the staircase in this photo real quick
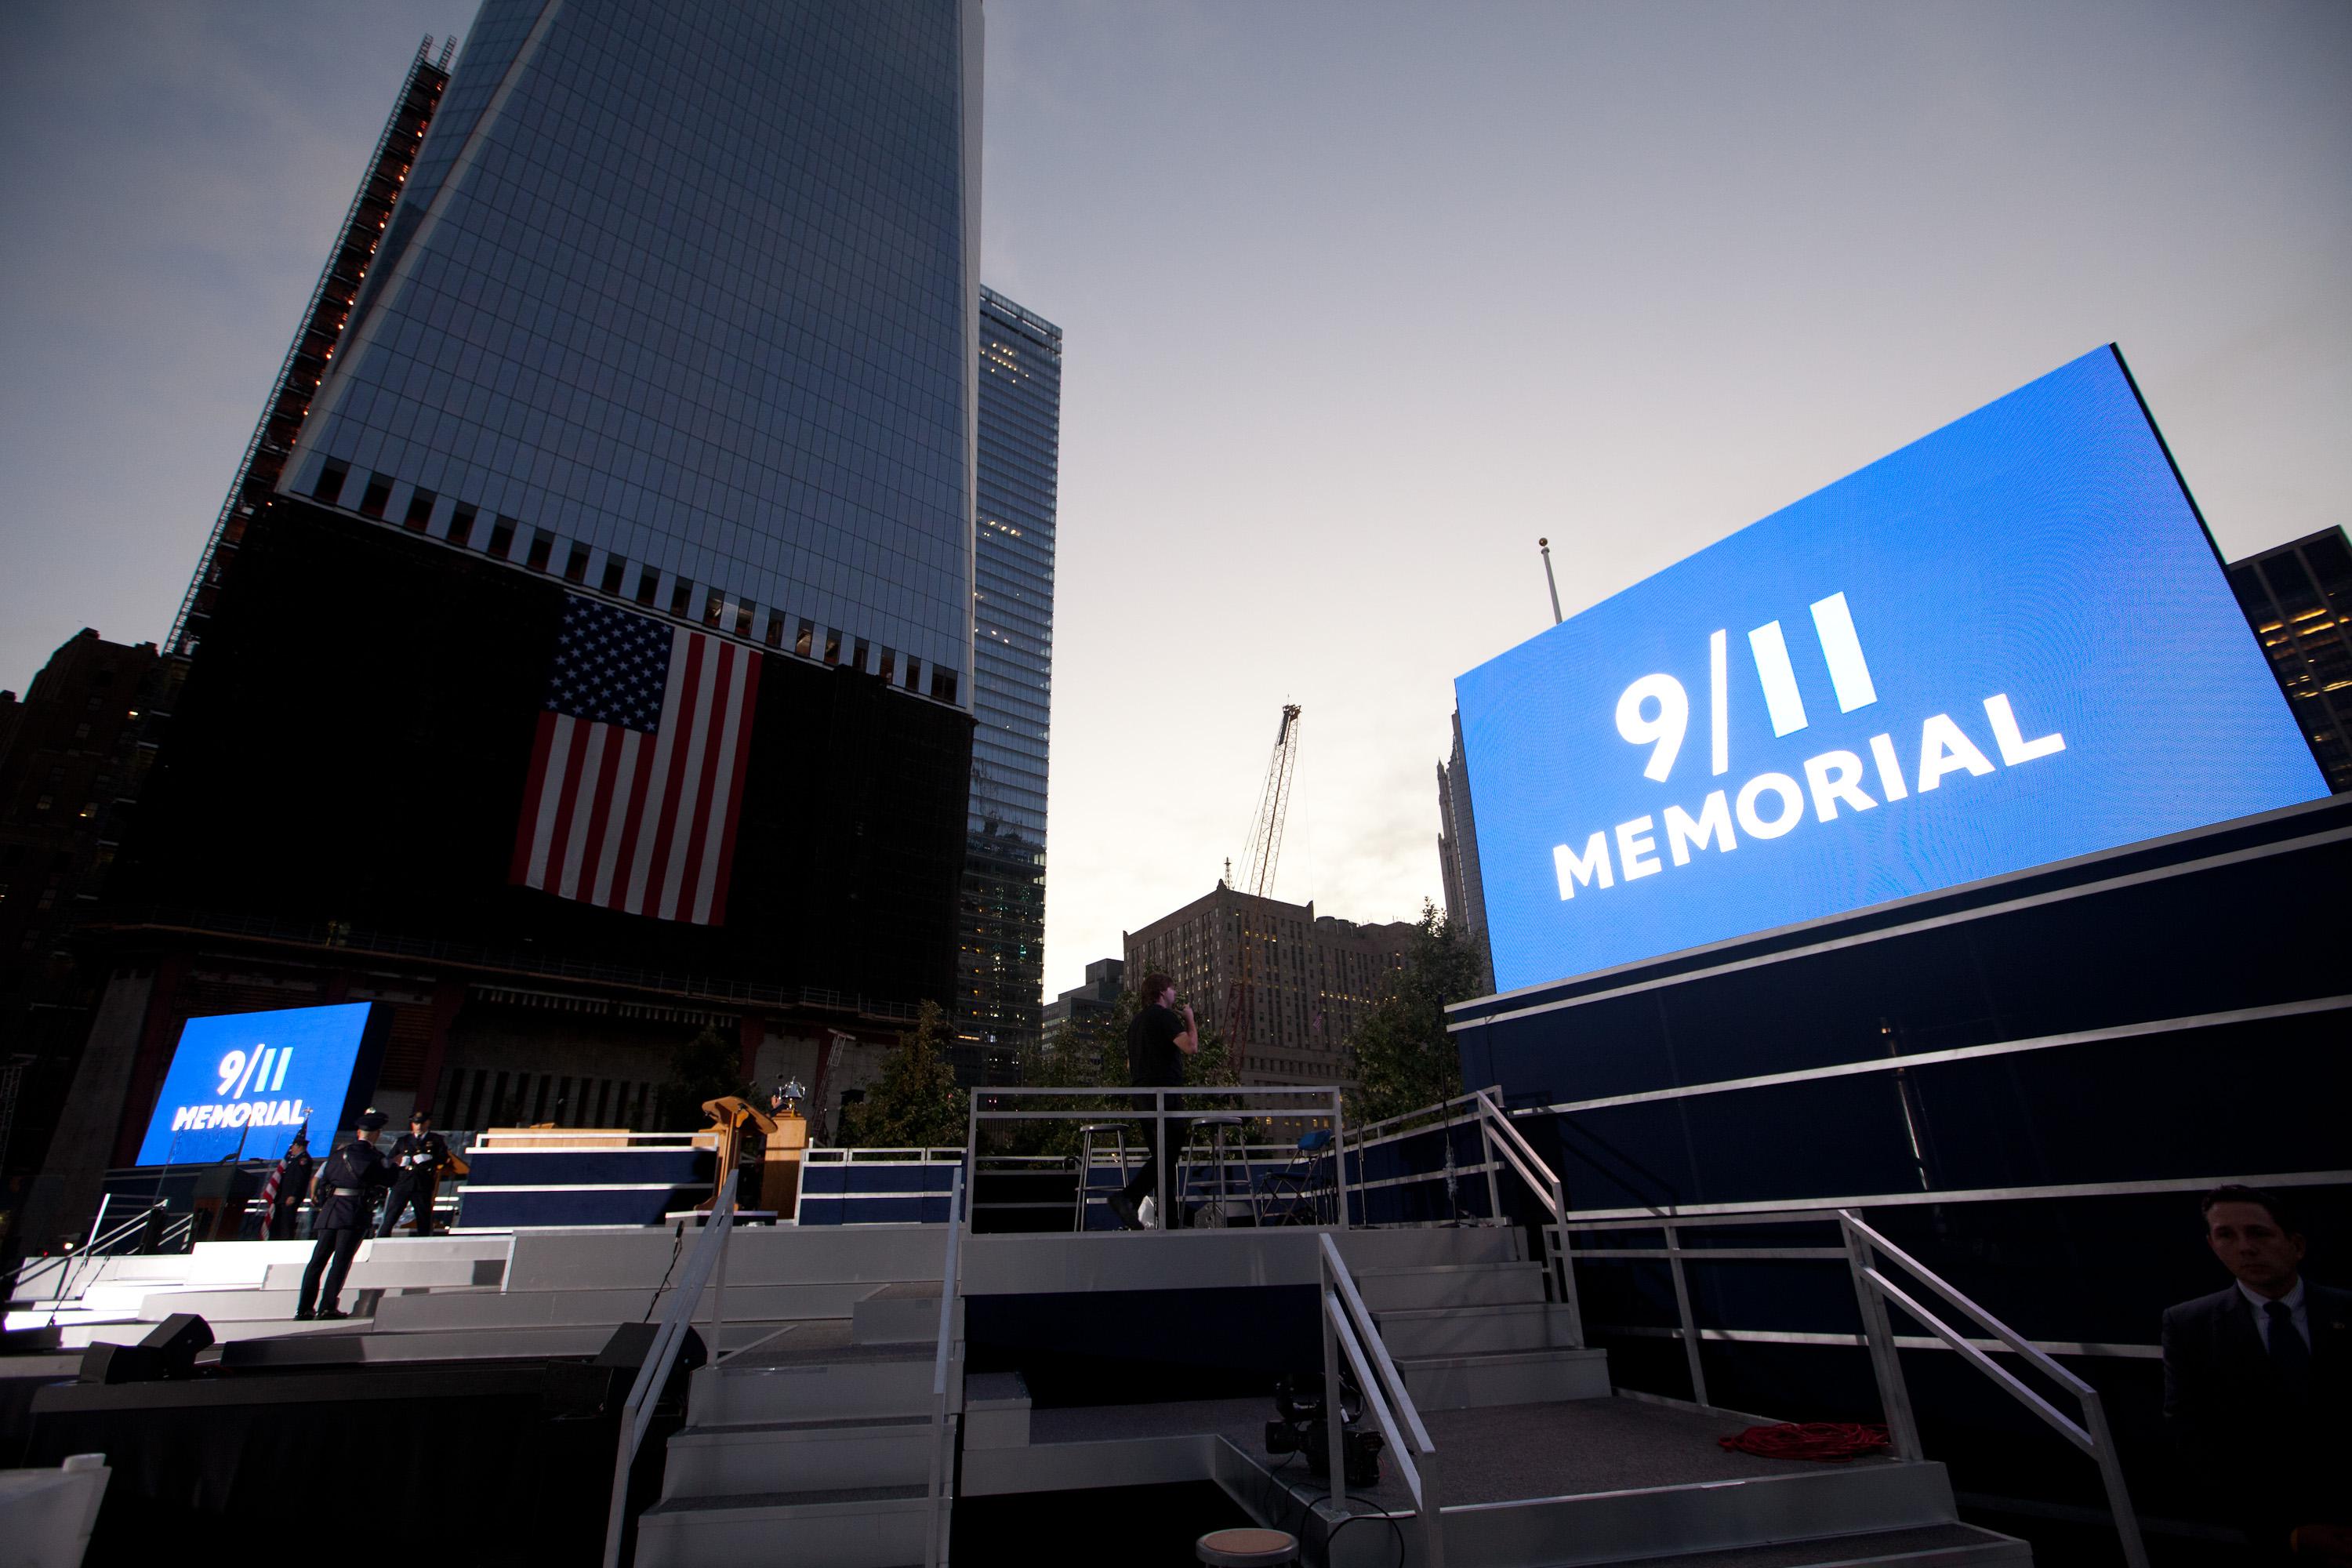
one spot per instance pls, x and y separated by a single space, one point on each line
813 1447
1472 1330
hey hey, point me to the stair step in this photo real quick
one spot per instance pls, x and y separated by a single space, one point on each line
1504 1377
1812 1518
752 1459
1467 1330
1451 1285
1927 1546
850 1381
862 1527
1449 1244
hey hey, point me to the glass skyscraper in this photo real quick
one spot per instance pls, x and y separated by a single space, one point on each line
636 417
1002 963
679 302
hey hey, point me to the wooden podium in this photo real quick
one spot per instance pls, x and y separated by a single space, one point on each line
766 1149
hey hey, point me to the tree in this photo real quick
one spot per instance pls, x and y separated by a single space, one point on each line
1211 1066
707 1067
1092 1054
916 1103
1403 1058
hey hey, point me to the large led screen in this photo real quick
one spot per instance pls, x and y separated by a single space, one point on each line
242 1084
2009 643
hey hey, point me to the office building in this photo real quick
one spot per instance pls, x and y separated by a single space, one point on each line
1002 961
70 767
1457 853
1086 1007
583 657
1285 985
2298 599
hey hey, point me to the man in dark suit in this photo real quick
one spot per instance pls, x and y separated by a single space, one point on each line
2258 1384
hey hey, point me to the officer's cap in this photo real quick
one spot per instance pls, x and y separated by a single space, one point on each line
372 1120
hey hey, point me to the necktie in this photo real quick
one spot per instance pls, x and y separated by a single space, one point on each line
2289 1354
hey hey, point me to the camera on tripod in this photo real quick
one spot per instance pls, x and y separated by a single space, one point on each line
1300 1427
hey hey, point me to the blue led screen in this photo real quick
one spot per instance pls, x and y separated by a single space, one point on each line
2007 644
244 1083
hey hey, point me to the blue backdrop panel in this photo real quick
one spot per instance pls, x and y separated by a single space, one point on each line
875 1192
498 1209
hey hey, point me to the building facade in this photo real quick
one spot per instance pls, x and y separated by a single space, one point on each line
2298 599
583 660
1086 1005
1457 853
1283 985
70 767
1001 966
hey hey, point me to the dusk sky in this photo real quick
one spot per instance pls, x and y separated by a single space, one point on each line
1359 300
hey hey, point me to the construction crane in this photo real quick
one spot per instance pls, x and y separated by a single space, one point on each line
1273 804
1258 861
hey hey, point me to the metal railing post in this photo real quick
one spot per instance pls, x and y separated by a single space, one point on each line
942 1487
718 1289
1878 1334
1682 1308
1334 1424
1340 1165
1486 1158
2111 1474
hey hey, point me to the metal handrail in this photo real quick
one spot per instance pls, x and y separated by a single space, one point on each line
2091 1436
935 1546
637 1416
1497 1132
1159 1115
64 1261
1872 1291
1348 1330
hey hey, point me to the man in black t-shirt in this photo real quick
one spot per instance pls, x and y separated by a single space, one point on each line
1157 1041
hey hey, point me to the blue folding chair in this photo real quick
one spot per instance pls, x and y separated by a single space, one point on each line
1301 1193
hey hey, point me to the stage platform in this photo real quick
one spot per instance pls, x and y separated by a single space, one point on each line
811 1423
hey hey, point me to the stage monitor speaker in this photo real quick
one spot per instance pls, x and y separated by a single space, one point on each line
576 1391
177 1339
121 1364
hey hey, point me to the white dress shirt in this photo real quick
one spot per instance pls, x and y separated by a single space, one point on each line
2294 1300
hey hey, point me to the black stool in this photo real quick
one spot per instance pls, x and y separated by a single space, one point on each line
1214 1211
1116 1132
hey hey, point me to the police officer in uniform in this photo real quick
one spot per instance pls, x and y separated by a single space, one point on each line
342 1198
294 1173
417 1156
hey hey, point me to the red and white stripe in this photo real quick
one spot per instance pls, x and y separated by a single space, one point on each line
645 823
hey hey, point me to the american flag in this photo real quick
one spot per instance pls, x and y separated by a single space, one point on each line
636 777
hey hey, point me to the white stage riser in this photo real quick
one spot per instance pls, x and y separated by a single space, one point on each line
758 1255
736 1462
1475 1331
522 1308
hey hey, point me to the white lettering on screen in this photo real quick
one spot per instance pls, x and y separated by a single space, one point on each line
1833 784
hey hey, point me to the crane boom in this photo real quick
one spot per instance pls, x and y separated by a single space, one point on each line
1273 806
1258 864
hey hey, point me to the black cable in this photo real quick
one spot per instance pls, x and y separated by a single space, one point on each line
677 1246
1394 1529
